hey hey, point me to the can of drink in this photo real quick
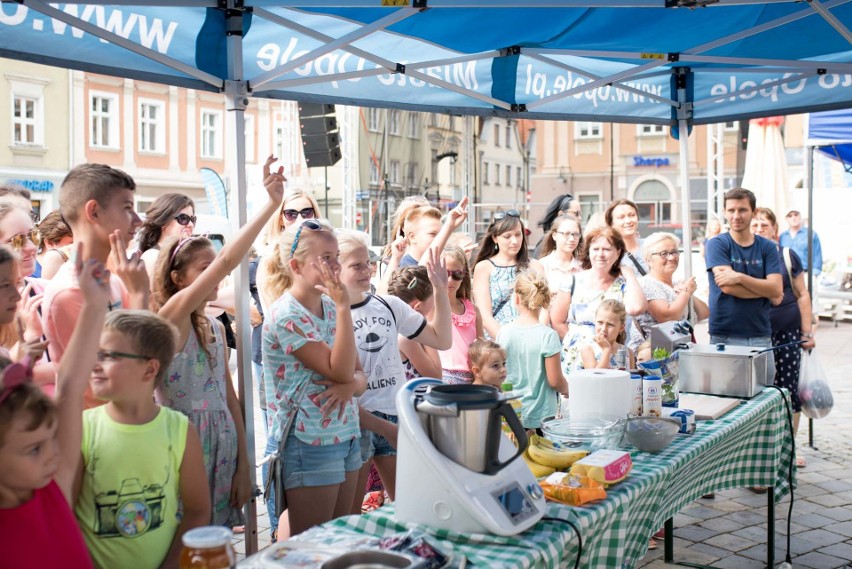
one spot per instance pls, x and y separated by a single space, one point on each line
652 396
636 390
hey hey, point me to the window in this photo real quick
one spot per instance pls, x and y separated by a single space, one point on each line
394 172
587 130
733 126
211 134
413 125
519 172
393 122
250 155
374 173
509 136
373 120
485 167
497 174
26 120
280 140
152 130
508 175
496 135
104 120
411 174
651 129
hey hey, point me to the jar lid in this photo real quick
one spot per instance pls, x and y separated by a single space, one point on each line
465 396
207 537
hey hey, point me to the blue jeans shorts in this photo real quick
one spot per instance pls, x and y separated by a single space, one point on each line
308 465
373 445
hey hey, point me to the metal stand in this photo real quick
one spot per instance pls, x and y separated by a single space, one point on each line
668 548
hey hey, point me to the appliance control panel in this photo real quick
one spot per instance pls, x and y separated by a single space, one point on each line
514 502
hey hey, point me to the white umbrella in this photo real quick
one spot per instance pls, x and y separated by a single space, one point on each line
766 165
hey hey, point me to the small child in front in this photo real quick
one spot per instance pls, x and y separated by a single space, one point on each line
487 363
141 484
40 441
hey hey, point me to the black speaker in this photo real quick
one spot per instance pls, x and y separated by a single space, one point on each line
320 135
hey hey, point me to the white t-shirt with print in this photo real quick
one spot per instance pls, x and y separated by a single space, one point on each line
377 325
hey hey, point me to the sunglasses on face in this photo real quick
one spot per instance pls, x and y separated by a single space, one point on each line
509 212
18 241
456 275
310 224
292 214
185 219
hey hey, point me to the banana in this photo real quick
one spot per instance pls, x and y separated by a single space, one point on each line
545 452
538 470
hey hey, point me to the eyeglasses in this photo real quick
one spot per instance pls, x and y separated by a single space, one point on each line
310 224
184 219
18 241
665 255
568 234
457 275
509 212
305 213
110 356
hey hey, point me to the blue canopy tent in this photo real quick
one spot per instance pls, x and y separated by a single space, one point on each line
830 132
669 62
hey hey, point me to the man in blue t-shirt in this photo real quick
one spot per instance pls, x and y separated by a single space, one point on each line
746 278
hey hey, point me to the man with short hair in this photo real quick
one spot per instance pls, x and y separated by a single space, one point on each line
746 276
796 238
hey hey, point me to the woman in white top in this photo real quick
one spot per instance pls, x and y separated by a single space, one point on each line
558 249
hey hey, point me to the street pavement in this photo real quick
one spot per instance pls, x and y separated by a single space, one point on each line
730 530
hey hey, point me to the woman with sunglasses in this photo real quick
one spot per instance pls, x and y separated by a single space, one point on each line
171 215
502 255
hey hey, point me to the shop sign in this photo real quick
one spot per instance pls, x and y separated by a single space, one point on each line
34 185
650 162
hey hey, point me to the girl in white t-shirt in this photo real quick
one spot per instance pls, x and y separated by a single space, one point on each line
377 322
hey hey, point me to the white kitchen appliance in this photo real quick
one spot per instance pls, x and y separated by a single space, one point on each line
474 483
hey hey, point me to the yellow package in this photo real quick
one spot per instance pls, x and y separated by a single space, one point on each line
572 490
605 466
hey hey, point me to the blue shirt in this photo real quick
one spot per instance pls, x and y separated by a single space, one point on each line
799 244
408 261
740 317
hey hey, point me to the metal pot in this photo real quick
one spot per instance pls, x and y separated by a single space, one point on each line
463 422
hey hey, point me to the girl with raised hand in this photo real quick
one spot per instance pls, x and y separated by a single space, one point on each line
467 321
40 443
198 382
532 350
412 286
502 256
378 321
312 373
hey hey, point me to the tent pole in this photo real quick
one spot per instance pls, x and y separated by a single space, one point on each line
236 101
684 111
809 170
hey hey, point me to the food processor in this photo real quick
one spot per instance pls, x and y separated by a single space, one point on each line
456 470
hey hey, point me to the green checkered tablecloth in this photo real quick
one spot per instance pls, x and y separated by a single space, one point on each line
749 446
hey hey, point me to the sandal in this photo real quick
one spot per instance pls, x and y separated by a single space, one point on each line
372 501
238 529
759 489
801 462
661 534
652 544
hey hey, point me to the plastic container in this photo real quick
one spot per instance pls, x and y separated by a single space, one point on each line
585 432
651 434
208 547
652 396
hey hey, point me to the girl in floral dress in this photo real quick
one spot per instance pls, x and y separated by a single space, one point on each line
198 383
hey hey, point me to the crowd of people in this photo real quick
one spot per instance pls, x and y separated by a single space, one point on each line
119 425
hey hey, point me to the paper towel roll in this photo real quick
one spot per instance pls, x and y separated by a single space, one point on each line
599 392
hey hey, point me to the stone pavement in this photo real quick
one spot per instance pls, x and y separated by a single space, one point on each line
730 530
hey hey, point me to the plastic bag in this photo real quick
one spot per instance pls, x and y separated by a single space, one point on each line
667 368
814 392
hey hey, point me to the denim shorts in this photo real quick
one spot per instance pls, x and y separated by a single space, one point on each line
373 445
320 465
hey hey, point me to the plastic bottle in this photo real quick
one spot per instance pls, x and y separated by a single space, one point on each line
208 547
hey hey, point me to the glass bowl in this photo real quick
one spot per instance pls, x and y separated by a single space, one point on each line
651 434
591 433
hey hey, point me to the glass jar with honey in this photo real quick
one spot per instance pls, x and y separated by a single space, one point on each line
208 547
